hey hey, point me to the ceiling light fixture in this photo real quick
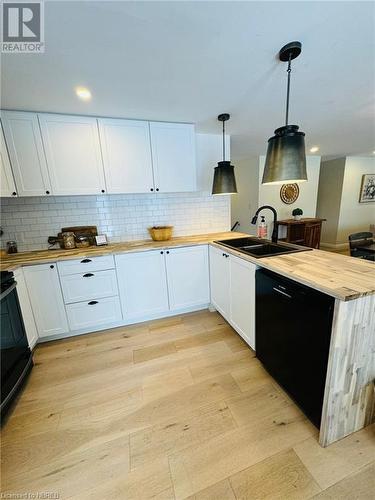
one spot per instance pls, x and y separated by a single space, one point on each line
224 179
286 157
83 93
314 149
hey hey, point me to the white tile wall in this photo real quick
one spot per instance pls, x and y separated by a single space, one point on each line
31 220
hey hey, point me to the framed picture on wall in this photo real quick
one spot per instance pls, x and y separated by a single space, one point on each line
367 193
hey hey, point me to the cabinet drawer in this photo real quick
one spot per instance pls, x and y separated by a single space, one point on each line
89 286
86 264
94 313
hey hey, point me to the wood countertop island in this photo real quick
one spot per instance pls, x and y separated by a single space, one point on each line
349 398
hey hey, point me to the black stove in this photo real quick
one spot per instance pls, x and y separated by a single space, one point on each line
16 357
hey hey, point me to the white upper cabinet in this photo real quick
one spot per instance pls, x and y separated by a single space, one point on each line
173 156
7 186
126 153
187 273
220 281
22 135
73 154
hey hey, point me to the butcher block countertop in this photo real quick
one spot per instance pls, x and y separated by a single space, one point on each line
13 261
345 278
342 277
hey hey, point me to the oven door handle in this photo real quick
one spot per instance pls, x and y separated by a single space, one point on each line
8 291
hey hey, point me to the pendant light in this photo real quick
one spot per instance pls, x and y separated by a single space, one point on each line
224 179
286 157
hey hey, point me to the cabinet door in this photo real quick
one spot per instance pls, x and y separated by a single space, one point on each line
242 298
187 273
7 186
73 154
126 155
142 283
220 281
23 138
27 313
46 299
173 156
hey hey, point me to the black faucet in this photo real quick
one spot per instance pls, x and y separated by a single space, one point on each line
275 228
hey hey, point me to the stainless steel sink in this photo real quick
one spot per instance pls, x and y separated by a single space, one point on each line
259 248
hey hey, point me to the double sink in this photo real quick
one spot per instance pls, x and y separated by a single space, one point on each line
259 248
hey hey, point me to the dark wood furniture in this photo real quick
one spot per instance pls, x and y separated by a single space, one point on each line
362 245
304 231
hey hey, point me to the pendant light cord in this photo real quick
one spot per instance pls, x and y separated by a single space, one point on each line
223 140
289 70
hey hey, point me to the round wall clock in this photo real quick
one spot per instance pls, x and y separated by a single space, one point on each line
289 193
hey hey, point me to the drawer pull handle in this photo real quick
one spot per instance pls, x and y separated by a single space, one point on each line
93 302
85 261
88 275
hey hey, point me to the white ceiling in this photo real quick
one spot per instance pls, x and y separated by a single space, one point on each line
189 61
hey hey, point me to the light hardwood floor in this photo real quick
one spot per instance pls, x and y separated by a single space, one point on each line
175 408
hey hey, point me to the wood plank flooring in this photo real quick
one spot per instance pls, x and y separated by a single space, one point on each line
170 409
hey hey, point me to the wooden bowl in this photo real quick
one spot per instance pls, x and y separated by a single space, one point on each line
161 233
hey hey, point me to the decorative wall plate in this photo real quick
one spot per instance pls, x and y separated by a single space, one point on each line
289 193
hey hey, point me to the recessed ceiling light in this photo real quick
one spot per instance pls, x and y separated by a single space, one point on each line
314 149
83 93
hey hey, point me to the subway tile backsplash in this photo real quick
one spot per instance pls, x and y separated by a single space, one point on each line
30 221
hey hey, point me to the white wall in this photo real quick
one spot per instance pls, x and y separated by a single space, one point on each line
329 198
308 192
355 216
245 202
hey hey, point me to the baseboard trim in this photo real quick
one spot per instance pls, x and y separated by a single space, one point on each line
334 246
125 322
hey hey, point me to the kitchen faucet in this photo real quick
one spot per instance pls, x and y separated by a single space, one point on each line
275 228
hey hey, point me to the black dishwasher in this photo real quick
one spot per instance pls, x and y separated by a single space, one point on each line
293 332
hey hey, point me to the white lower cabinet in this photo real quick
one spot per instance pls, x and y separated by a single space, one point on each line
142 283
46 299
25 304
94 313
220 280
233 291
187 274
242 298
161 281
89 294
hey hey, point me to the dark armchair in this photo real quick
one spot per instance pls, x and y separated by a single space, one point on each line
358 243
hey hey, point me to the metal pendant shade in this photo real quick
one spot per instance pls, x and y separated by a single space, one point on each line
286 156
224 179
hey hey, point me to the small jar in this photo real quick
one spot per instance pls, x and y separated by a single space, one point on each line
69 240
82 241
12 247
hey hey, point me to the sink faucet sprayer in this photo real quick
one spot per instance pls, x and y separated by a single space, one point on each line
275 229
